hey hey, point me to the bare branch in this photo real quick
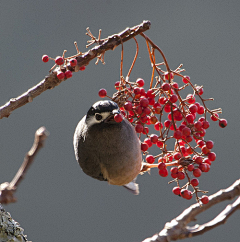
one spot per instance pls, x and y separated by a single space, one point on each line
7 189
178 229
52 81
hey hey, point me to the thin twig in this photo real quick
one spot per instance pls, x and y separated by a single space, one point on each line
177 229
52 81
7 189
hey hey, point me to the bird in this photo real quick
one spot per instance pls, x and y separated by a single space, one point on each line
108 150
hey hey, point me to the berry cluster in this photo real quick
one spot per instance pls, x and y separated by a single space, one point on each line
172 117
66 65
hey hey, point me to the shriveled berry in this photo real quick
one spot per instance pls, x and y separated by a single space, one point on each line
68 74
222 123
102 92
59 60
45 58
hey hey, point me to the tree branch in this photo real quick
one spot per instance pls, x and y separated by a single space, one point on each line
178 229
52 81
7 189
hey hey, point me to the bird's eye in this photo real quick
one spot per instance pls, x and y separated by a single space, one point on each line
98 116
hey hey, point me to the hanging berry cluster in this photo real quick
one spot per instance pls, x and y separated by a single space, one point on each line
174 117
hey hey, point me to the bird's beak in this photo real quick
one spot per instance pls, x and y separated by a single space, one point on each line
111 116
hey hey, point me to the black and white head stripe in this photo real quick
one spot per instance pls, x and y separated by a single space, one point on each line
104 106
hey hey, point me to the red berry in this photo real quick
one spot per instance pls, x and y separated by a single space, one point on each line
59 60
186 79
60 75
150 93
150 159
144 147
136 90
200 90
146 110
166 86
177 134
144 102
140 82
205 150
161 166
167 76
73 62
118 118
173 98
205 124
194 182
188 138
193 108
82 68
162 100
190 118
181 175
197 172
177 156
200 143
139 128
209 144
167 108
151 101
186 193
198 159
154 120
211 156
175 85
176 190
201 110
214 117
198 125
186 131
190 167
45 58
174 170
159 144
222 123
68 74
154 138
167 123
148 142
128 106
163 172
190 98
158 126
203 167
102 92
204 199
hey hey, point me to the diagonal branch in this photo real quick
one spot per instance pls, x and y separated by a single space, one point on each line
7 189
52 81
178 229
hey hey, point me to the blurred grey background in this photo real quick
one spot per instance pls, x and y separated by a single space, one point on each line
56 200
